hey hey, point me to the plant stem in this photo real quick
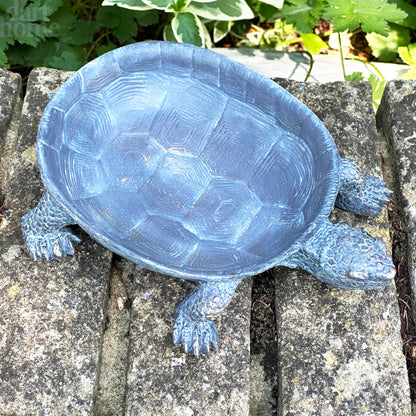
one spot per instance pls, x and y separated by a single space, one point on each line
342 55
311 62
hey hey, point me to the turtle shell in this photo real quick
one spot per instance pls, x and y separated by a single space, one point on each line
187 162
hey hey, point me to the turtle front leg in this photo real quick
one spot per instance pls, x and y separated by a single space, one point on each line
360 193
45 233
194 326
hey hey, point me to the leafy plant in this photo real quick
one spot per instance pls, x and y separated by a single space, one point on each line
304 14
408 55
24 22
55 36
385 47
188 18
277 37
370 15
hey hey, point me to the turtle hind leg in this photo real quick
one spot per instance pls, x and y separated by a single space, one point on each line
194 326
360 193
45 232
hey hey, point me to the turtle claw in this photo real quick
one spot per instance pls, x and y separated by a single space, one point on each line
359 193
199 337
53 245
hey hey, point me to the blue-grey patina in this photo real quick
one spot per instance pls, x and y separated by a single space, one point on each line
192 165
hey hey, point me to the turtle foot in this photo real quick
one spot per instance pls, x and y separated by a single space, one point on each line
45 233
199 337
52 245
360 193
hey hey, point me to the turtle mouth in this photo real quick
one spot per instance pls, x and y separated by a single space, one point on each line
392 274
358 275
378 280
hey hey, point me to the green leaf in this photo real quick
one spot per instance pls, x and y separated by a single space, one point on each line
24 22
304 14
61 23
177 6
240 28
168 34
207 37
127 4
158 4
313 43
187 28
410 74
50 53
355 76
147 17
372 15
82 32
68 60
3 59
265 12
106 48
408 54
385 47
124 22
410 20
222 10
221 30
275 3
378 85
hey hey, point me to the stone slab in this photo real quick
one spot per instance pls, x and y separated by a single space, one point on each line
340 352
396 119
295 66
162 380
10 106
51 315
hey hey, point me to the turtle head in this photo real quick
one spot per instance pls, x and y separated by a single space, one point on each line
345 258
355 260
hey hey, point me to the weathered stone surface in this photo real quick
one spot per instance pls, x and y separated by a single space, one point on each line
163 380
110 400
340 351
396 119
10 106
51 315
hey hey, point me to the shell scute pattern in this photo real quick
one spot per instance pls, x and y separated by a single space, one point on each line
218 256
86 123
51 132
171 240
65 98
124 213
175 186
223 211
209 73
175 61
233 80
95 80
265 231
85 177
189 111
138 59
172 138
135 98
290 162
232 154
131 160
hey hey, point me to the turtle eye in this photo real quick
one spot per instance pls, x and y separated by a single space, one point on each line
358 275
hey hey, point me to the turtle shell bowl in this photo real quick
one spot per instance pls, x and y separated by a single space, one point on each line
187 162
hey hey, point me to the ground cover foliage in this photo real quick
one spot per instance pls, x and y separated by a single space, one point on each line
65 34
